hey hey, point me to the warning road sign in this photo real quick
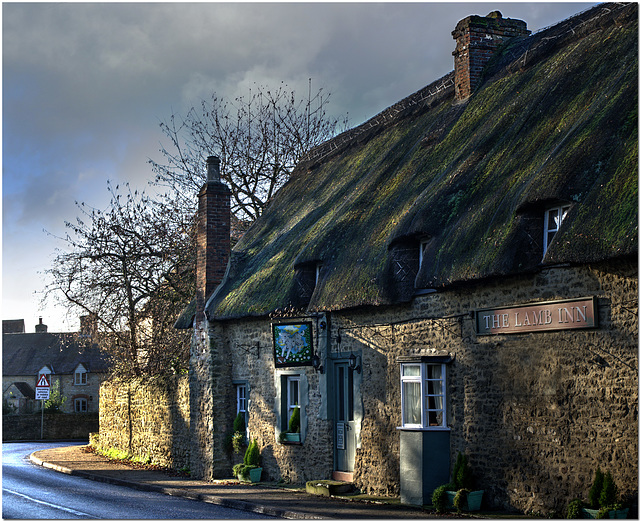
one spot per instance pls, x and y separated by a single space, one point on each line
42 388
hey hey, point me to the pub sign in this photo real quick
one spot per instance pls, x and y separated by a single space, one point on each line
555 315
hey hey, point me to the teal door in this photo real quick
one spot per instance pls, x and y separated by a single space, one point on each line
344 425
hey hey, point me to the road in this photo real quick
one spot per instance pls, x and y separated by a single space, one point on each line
30 491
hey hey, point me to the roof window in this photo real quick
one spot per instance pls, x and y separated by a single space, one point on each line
553 218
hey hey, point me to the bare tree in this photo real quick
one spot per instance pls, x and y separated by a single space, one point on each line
130 266
259 139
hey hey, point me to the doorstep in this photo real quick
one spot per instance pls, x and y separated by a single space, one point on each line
339 475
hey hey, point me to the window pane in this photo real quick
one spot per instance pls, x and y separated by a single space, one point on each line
434 387
434 372
552 221
412 403
293 392
411 370
435 418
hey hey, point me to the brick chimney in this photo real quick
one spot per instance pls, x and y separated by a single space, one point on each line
213 245
477 38
41 328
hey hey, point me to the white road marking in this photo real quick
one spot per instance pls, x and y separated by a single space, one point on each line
69 510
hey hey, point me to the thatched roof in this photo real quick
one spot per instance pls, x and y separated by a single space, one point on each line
555 120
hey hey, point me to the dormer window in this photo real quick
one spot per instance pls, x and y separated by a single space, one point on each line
80 375
553 219
307 276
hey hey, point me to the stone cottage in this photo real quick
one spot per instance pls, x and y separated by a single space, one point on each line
458 274
70 361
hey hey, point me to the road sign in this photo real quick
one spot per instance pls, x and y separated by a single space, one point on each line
42 393
42 388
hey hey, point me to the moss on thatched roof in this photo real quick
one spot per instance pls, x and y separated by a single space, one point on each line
473 178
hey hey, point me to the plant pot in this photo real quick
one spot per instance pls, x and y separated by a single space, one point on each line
591 513
451 494
474 500
255 474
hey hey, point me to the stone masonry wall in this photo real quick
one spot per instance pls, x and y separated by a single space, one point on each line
251 345
51 427
536 413
148 418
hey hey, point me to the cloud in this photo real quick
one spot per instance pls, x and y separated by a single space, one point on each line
85 86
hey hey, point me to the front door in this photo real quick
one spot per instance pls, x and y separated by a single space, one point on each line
344 425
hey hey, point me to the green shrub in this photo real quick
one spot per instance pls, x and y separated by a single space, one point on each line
575 509
439 499
609 494
294 421
460 501
239 423
596 490
237 442
252 455
462 477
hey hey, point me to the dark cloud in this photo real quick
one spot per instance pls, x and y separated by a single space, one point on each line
86 84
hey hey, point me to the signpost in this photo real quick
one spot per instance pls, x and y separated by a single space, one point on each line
42 393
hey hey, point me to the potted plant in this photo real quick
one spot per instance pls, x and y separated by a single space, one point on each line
603 501
239 431
249 470
459 492
292 434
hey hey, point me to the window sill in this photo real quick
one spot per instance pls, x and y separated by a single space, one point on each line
423 428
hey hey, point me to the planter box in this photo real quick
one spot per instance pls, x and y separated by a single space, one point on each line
474 500
255 474
292 437
590 513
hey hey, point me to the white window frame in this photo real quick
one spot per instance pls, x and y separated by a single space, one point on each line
241 398
425 407
557 220
80 376
80 402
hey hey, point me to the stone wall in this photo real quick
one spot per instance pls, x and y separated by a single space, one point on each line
56 426
147 418
536 413
251 346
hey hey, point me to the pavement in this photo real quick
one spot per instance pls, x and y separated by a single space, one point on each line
267 498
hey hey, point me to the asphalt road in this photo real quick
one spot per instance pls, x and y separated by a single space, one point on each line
32 492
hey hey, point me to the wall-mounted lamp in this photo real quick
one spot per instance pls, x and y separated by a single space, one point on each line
352 364
317 364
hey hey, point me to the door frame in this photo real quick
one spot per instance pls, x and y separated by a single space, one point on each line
352 435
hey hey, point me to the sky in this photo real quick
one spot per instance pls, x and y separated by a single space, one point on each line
85 87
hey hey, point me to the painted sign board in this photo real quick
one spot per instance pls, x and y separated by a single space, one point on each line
292 344
555 315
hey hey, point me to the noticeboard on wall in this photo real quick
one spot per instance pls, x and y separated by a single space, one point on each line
292 344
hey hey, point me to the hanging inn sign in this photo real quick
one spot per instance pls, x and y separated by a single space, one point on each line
540 316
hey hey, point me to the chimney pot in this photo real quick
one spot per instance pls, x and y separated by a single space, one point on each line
41 328
213 169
